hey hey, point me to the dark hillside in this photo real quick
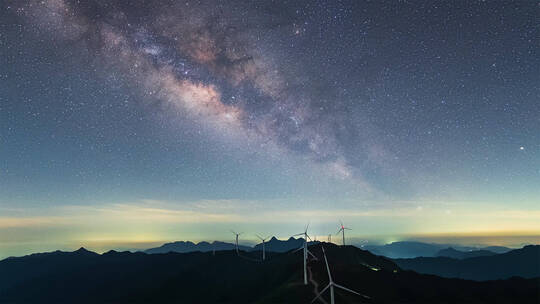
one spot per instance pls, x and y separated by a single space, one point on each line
124 277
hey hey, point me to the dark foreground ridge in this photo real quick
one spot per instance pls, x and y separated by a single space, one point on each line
123 277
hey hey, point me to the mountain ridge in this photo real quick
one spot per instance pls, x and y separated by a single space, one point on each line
450 252
412 249
272 245
523 262
201 277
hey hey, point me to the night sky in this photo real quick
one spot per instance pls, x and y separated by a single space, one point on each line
125 124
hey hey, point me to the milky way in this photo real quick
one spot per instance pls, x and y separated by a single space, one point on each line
218 62
189 54
304 104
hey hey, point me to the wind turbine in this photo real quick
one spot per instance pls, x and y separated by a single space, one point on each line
236 243
263 242
329 238
306 251
342 230
331 284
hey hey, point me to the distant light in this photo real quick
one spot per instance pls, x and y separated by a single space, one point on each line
522 148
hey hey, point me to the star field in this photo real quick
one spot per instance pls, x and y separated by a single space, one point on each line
307 105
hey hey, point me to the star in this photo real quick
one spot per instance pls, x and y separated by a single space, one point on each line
337 100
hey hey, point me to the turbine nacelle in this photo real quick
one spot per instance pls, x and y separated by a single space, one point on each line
236 241
306 251
342 230
263 245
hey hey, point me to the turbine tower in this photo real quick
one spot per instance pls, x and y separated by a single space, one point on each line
331 284
236 242
306 251
342 230
329 238
263 242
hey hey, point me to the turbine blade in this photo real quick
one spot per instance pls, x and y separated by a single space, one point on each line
312 255
320 293
259 237
309 238
298 249
346 228
349 290
339 231
298 234
327 267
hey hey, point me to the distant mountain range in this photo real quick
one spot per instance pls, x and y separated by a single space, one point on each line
273 245
200 277
456 254
524 262
418 249
183 247
393 250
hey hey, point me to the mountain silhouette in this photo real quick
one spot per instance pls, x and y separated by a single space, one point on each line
275 245
496 249
405 249
524 262
200 277
183 247
456 254
409 249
